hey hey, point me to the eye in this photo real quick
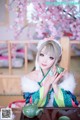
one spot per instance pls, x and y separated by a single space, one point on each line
41 54
51 58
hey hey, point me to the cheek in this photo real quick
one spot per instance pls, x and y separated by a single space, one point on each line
39 60
51 63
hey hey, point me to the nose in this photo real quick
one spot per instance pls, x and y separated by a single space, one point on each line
45 59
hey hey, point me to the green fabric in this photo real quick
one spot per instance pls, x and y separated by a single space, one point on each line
41 102
55 104
44 76
63 100
59 99
38 96
66 99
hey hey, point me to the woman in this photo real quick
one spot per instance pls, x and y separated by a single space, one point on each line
45 86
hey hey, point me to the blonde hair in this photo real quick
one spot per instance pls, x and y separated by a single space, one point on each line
52 47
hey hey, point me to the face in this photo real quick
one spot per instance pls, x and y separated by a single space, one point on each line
45 59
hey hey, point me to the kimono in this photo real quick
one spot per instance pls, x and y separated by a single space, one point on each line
33 93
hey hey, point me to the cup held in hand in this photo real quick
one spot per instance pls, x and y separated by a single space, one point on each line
59 69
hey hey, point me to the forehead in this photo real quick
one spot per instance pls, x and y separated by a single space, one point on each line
43 49
48 50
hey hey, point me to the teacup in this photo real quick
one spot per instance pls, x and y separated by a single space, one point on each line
59 69
64 118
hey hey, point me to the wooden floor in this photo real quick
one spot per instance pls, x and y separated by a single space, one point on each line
74 68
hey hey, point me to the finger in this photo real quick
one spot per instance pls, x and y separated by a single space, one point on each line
55 71
58 77
56 74
63 73
54 78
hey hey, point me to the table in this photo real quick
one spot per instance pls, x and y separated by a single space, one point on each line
50 114
17 113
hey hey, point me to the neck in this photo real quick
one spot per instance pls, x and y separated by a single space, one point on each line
44 72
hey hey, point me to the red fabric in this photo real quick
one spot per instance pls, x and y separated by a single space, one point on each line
73 103
18 104
30 100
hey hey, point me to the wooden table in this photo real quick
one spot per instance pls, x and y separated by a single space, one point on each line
50 114
17 113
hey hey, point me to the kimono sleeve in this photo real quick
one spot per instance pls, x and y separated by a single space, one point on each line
65 99
37 98
32 92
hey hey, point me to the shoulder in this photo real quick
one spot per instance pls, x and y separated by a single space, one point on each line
29 83
32 75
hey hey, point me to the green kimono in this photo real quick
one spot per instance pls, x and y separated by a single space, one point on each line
64 99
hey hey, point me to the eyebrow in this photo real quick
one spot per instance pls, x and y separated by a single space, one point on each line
52 56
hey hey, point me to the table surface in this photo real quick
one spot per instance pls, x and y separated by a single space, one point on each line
17 113
50 114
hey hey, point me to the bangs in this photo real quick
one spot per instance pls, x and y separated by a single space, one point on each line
49 49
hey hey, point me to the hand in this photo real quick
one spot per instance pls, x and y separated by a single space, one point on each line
58 76
55 81
51 81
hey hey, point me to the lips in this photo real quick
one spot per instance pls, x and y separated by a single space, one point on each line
44 65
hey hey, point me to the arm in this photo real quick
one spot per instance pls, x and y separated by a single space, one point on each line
65 99
39 97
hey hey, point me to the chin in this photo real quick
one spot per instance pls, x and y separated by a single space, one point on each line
45 68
